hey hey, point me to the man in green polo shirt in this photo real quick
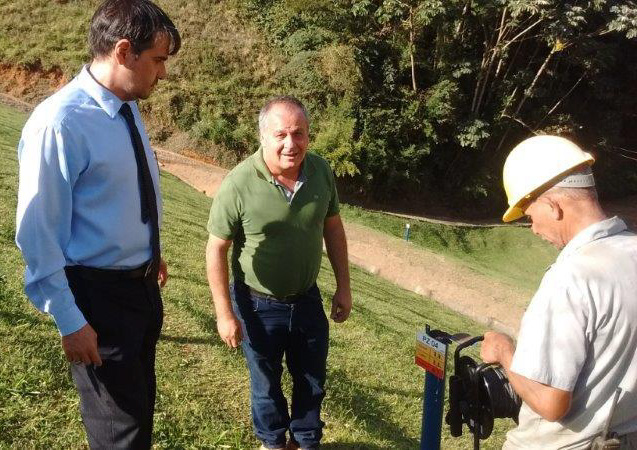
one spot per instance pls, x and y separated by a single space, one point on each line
277 207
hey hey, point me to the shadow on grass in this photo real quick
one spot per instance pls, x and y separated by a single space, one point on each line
345 395
460 235
373 322
351 446
191 277
405 393
7 232
198 226
209 340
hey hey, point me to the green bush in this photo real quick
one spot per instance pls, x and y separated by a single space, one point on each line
334 140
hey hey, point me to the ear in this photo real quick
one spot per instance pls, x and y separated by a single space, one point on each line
122 51
556 211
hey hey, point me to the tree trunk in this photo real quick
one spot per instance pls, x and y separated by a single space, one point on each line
528 91
483 64
559 102
493 53
411 49
460 27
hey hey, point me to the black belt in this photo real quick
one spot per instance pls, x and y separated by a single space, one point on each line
97 274
286 299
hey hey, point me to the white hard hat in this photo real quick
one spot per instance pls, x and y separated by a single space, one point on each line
535 165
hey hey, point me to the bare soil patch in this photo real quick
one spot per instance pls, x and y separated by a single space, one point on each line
202 176
29 84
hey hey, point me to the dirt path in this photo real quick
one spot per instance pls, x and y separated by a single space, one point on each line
483 299
203 177
426 273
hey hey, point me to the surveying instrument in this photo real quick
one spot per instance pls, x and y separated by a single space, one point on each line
478 393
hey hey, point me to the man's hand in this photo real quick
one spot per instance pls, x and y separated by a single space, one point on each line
162 276
229 329
341 305
81 346
549 402
336 246
228 325
497 348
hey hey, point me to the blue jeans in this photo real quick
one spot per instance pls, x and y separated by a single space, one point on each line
300 331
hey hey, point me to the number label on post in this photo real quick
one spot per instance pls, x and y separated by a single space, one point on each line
430 354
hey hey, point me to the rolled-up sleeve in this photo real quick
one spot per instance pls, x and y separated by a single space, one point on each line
43 221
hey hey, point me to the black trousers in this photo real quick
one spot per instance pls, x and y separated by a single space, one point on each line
117 399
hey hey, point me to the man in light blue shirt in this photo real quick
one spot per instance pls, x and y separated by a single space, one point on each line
88 219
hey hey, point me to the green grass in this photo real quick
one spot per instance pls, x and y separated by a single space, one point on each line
511 254
65 25
215 85
374 392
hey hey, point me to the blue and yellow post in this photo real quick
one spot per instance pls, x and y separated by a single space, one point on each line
431 355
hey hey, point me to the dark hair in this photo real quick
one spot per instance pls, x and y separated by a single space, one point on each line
139 21
281 100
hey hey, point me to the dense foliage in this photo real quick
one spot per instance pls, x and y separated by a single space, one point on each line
417 100
424 98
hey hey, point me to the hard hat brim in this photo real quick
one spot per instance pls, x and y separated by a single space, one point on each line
513 213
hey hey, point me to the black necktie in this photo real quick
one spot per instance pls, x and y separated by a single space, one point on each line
146 189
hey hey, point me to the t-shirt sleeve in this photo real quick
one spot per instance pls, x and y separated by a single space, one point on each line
551 347
333 207
225 212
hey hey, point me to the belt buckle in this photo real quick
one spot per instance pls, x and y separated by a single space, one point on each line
148 269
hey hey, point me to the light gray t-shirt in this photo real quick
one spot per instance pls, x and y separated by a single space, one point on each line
579 334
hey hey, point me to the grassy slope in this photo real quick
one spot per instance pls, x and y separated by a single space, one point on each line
44 33
374 390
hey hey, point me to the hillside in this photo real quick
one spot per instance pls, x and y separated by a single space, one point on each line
414 117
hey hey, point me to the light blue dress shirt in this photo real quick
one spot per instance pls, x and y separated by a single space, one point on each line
78 198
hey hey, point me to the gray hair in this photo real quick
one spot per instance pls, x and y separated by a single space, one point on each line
589 193
280 100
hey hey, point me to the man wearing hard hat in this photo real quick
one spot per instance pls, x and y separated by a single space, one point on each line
578 338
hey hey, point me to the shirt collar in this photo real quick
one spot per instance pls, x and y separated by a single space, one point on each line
108 101
259 163
598 230
299 181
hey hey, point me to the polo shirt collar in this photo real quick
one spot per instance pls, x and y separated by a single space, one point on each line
307 168
106 100
599 230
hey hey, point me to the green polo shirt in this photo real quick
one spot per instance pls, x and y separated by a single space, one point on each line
277 245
